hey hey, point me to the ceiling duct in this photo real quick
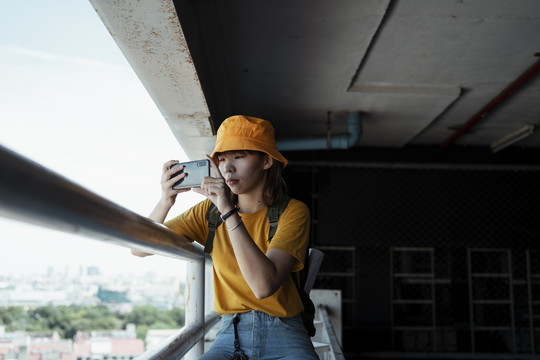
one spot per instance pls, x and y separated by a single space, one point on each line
341 141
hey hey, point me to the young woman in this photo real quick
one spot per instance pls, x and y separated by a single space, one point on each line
253 287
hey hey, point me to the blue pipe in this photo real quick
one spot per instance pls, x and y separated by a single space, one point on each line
342 141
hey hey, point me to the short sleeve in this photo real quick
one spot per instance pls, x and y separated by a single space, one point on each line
292 234
192 223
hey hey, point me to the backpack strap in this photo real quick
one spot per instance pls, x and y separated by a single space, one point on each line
308 315
214 220
273 213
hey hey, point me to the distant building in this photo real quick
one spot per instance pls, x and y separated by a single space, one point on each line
95 345
112 296
93 271
108 345
34 346
25 296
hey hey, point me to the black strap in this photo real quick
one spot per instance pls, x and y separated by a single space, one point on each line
308 315
273 213
214 220
238 352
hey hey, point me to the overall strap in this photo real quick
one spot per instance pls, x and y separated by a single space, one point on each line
214 220
273 213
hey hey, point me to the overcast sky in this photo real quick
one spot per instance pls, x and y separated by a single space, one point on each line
70 101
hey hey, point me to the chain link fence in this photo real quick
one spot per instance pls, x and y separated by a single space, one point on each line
428 258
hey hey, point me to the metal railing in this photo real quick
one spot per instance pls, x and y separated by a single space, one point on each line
31 193
34 194
179 344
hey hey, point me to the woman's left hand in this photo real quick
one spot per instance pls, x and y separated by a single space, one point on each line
215 189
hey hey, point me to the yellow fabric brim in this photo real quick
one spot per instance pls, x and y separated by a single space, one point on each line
241 143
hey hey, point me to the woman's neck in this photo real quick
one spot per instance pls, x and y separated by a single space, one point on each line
250 204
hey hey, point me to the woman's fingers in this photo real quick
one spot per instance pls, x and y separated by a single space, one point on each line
216 190
199 191
175 174
168 165
214 167
213 186
170 175
169 170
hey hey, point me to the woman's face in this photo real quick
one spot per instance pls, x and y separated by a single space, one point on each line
244 172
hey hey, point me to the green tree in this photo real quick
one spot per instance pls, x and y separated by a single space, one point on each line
178 316
67 320
149 317
13 317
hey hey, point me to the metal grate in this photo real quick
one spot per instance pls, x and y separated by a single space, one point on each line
381 211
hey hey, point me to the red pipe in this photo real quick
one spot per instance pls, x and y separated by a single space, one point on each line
497 100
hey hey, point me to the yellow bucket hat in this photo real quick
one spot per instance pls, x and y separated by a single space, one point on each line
241 132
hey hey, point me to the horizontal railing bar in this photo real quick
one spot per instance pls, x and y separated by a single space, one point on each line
178 345
34 194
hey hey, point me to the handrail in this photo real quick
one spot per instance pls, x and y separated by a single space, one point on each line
337 352
177 345
32 193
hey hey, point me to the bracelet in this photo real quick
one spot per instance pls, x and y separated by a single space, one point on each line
227 215
235 226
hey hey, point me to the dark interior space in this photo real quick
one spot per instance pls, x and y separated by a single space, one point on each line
417 250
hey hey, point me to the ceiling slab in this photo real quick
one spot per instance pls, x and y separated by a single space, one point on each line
479 46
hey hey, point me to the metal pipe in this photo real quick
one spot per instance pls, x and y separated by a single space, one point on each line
31 193
195 303
179 344
342 141
503 95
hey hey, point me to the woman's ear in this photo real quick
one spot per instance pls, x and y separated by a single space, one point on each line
268 162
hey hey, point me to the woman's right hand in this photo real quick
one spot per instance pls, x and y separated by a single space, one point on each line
168 194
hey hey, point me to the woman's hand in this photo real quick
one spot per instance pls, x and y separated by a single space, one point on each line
215 189
168 194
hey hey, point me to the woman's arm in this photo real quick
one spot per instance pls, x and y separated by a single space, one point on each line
168 197
264 273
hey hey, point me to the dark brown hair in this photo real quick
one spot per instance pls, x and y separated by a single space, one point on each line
275 188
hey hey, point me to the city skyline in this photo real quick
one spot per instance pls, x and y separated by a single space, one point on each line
71 102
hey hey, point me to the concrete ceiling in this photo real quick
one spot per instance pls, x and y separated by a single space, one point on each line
417 69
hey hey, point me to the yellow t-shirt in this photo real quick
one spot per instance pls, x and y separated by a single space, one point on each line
232 294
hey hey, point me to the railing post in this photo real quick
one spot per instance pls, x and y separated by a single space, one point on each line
195 302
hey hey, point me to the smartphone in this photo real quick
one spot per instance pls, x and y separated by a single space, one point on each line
195 171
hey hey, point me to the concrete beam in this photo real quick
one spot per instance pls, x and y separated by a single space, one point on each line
150 36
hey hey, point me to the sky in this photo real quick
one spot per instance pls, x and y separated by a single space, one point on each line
70 101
